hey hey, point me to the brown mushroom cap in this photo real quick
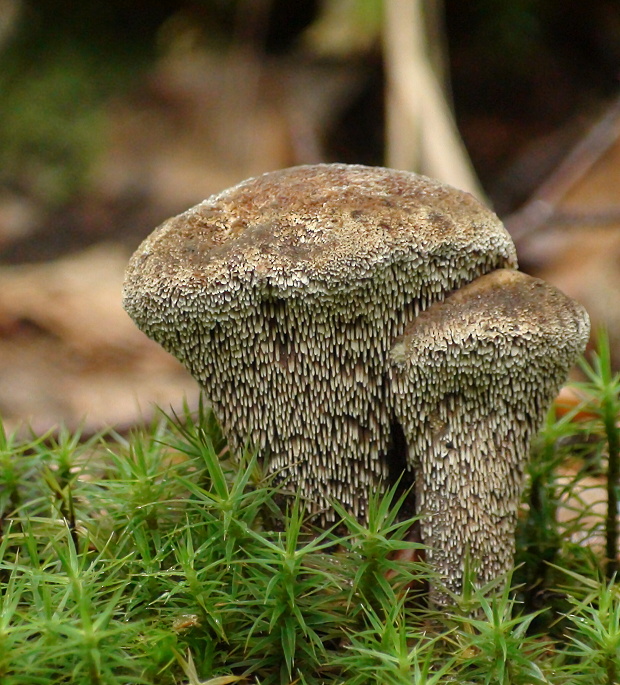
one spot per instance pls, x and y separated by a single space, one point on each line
283 295
320 230
473 377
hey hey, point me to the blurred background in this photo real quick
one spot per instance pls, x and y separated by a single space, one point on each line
116 115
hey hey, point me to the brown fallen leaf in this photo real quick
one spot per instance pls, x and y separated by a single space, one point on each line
69 353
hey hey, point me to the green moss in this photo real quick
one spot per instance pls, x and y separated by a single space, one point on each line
162 558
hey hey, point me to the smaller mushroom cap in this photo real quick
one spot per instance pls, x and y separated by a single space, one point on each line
505 309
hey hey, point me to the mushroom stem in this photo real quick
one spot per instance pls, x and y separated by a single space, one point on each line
474 376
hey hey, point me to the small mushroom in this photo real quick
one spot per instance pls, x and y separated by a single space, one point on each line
283 297
473 378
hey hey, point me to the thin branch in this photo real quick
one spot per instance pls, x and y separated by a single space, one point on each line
542 206
421 132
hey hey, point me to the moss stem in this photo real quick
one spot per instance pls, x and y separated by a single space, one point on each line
613 476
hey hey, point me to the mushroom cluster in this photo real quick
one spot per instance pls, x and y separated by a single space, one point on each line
357 323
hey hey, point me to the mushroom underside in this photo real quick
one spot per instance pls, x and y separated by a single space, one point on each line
304 378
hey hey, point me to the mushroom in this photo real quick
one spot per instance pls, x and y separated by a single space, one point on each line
283 297
473 377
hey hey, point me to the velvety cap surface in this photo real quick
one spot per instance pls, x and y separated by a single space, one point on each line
321 228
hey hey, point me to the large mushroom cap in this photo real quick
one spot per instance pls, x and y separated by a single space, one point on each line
319 229
284 294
